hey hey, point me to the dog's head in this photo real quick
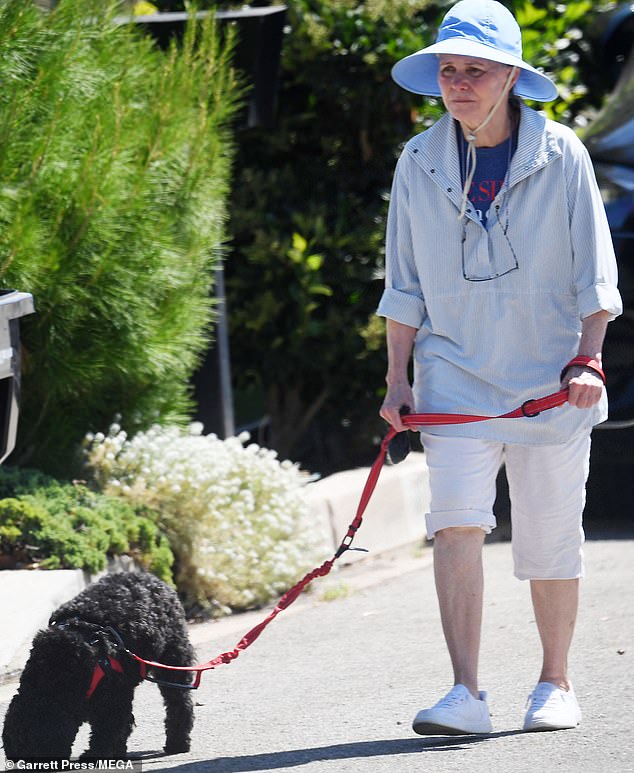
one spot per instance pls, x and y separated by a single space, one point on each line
44 730
43 718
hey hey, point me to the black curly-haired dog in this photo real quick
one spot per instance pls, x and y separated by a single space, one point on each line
78 671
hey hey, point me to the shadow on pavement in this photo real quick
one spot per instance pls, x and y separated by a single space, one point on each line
295 757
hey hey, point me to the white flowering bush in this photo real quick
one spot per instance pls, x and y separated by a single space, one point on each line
236 516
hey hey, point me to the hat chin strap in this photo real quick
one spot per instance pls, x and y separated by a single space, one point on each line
471 160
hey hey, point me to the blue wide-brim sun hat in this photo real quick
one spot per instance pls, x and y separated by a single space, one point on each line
483 29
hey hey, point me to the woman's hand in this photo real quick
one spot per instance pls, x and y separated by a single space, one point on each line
584 384
585 387
398 395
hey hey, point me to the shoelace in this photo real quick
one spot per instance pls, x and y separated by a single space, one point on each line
539 697
450 700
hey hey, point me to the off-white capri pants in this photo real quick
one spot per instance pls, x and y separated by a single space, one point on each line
547 492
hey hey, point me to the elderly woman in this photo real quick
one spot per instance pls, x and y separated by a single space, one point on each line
500 283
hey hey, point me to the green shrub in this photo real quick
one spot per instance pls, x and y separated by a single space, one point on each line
57 525
114 162
236 517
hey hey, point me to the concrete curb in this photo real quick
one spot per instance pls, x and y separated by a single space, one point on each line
394 516
393 519
27 598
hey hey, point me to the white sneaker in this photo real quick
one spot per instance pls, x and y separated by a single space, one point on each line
458 713
552 708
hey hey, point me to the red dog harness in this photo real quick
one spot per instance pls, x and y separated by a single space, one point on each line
101 667
528 409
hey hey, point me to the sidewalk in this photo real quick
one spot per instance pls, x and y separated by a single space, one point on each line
333 687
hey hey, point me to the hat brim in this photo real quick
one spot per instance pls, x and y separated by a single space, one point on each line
418 72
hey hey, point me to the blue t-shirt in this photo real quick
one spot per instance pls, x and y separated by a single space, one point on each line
491 167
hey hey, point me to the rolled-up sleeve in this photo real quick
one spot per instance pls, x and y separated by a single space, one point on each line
595 267
402 299
402 307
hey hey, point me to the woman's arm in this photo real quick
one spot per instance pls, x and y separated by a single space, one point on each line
400 342
585 386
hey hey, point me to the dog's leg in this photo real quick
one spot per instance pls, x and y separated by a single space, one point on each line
179 718
111 721
179 707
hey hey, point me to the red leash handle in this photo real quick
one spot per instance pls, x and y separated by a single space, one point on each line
584 362
528 409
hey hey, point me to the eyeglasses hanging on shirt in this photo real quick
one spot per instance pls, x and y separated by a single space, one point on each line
487 251
487 254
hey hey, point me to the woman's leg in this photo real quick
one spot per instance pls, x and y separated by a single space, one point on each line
547 487
462 475
555 603
459 586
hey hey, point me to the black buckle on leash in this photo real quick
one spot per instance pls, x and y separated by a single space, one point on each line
525 412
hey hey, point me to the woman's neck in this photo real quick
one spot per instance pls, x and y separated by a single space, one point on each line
498 129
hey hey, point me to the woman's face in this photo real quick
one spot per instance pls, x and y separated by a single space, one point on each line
470 87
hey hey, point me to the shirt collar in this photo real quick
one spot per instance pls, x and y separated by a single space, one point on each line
436 151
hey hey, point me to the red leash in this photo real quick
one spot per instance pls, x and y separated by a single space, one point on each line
528 409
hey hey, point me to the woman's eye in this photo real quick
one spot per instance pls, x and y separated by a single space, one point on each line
471 72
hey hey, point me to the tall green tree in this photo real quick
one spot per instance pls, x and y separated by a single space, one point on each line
114 170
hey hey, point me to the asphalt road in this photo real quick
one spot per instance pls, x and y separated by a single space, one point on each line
332 686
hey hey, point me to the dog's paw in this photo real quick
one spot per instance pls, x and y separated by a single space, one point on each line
177 746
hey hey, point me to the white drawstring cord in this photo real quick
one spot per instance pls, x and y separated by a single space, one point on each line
471 159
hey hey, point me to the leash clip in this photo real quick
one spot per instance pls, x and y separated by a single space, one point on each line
346 543
344 548
107 665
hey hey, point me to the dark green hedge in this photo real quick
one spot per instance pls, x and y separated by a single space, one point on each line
53 525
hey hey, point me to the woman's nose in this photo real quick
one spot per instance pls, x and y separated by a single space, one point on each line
459 81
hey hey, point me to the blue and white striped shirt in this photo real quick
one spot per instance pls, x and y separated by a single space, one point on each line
487 346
